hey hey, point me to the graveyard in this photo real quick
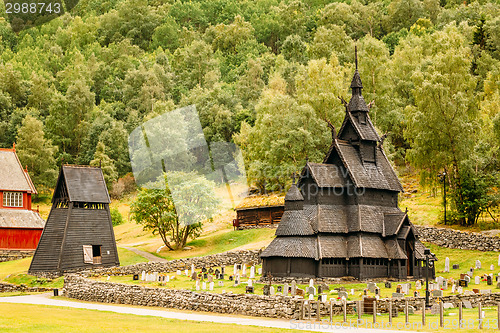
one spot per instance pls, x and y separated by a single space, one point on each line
351 291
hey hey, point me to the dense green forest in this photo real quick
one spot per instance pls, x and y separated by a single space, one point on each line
264 74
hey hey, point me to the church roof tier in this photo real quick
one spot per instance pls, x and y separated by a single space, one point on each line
12 176
297 247
294 194
325 175
294 223
378 175
357 103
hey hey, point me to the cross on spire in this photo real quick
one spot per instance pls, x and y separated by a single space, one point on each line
356 56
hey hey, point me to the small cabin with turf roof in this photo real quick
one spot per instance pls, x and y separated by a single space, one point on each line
342 217
20 226
259 211
78 233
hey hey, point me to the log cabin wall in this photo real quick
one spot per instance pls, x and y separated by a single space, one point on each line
259 215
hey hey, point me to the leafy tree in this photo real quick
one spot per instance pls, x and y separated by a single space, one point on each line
294 49
284 135
116 217
176 221
105 163
36 152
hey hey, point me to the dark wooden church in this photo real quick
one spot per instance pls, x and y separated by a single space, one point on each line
342 218
78 233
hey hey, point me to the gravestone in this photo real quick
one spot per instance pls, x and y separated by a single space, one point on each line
293 290
217 272
460 290
398 289
475 290
437 293
485 292
411 309
279 289
323 298
250 282
197 285
136 277
186 272
192 269
249 289
477 280
371 286
462 276
210 270
259 271
235 269
286 289
238 266
456 266
143 276
398 295
311 282
323 288
211 286
467 278
453 288
204 270
435 309
416 294
221 283
252 272
489 280
178 272
266 290
499 260
377 291
167 278
210 278
447 265
418 285
343 294
388 284
230 278
194 276
492 267
478 263
244 271
300 292
463 283
467 304
204 285
311 297
222 271
205 276
311 290
445 285
271 291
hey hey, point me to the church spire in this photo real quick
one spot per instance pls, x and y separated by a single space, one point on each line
357 103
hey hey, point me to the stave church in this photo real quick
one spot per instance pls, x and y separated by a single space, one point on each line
342 217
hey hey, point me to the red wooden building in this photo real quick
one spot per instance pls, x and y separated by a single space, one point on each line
20 226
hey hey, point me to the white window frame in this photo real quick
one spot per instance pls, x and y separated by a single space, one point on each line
13 199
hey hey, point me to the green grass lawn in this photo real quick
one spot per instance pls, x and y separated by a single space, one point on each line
40 318
129 258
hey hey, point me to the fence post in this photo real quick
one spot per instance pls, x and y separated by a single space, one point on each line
344 305
460 314
374 311
406 311
360 311
441 319
318 310
423 313
390 311
302 310
498 316
331 311
480 310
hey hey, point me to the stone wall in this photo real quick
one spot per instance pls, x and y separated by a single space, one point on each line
455 239
9 287
8 255
244 304
214 260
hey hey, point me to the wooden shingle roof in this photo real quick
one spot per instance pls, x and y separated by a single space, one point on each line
296 247
20 218
379 175
12 175
326 175
83 184
294 194
294 223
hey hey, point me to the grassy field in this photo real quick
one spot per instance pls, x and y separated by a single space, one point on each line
39 318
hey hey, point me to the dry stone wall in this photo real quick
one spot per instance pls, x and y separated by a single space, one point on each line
8 255
455 239
245 304
9 287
